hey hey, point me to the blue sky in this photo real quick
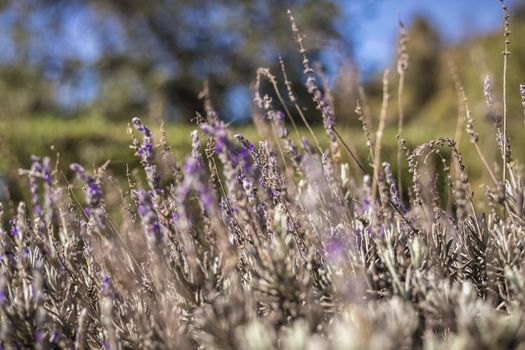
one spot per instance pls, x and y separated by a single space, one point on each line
376 29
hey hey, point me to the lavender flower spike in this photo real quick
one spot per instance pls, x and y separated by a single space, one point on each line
94 196
33 174
196 176
146 152
150 220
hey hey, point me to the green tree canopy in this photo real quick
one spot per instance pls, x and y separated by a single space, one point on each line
151 57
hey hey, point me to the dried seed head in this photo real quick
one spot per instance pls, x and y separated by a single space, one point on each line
473 135
506 27
402 59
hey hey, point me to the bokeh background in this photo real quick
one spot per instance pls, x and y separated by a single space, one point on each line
74 72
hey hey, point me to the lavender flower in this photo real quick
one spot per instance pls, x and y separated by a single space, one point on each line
36 169
249 189
146 152
150 220
234 158
248 157
50 192
195 177
94 196
247 145
40 170
271 176
335 248
307 146
14 229
306 258
327 113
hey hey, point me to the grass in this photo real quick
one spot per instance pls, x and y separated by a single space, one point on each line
92 140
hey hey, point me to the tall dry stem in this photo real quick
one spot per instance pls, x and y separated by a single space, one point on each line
379 134
506 53
402 66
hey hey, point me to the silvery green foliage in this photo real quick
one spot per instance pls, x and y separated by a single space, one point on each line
263 245
278 249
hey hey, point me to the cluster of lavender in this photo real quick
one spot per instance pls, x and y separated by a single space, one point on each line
259 246
264 245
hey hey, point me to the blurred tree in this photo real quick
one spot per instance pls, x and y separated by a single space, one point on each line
22 86
424 48
151 57
181 43
346 91
422 78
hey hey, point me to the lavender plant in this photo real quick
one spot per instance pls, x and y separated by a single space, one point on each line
268 244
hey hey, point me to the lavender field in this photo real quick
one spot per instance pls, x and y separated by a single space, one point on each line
280 235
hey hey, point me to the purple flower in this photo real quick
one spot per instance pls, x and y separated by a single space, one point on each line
55 336
335 247
146 152
307 145
150 220
39 336
94 196
37 209
14 228
39 170
271 174
196 178
137 123
192 165
105 282
94 192
219 145
46 171
36 169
